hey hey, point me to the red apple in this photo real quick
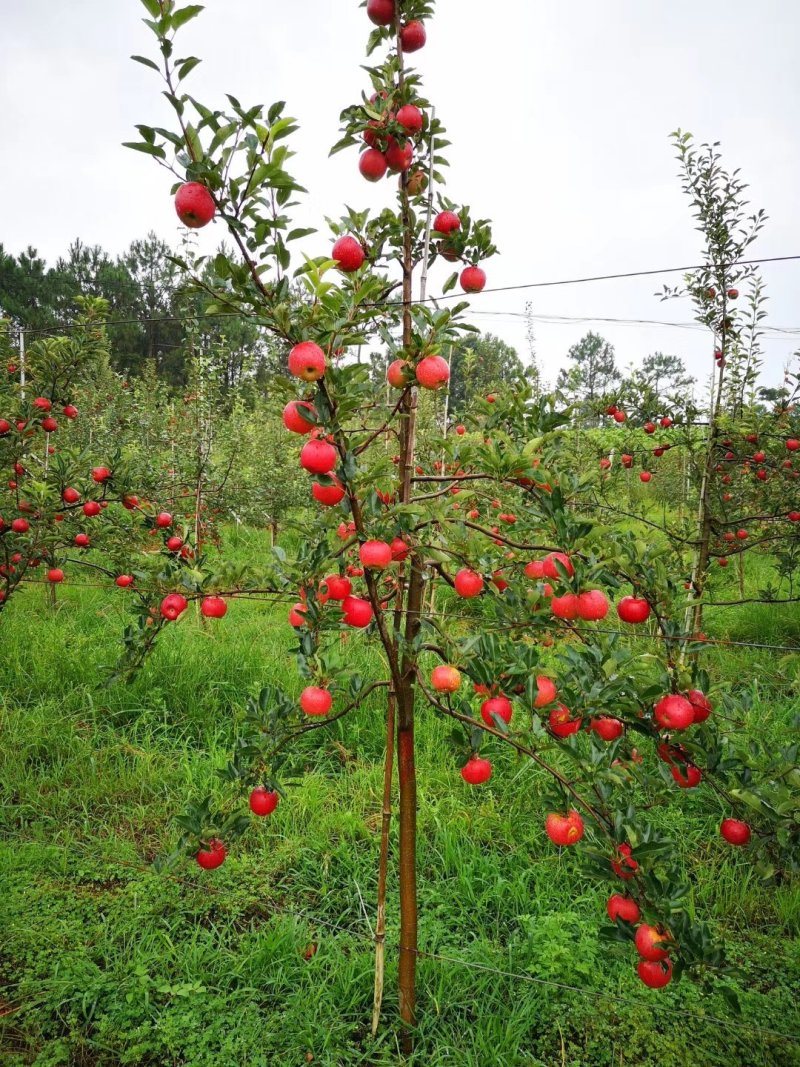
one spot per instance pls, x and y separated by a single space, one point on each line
633 609
100 474
476 771
91 508
687 776
620 907
293 416
194 205
212 857
349 254
307 361
124 580
561 722
173 605
315 701
565 607
546 691
329 495
412 36
468 583
473 279
445 679
700 703
433 372
55 575
297 615
70 496
381 12
647 941
400 373
213 607
375 554
607 728
500 706
674 712
318 457
446 222
81 540
357 612
372 165
624 866
645 476
338 587
49 425
550 565
735 831
70 411
655 974
564 829
400 549
263 801
592 606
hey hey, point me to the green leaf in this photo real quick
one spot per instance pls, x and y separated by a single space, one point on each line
148 149
193 141
187 67
180 18
152 8
145 61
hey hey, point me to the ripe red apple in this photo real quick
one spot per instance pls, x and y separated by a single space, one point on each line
793 516
627 460
5 427
263 801
91 508
400 373
400 549
381 12
81 540
645 476
498 705
742 535
564 829
315 701
473 279
372 165
357 612
633 609
297 615
735 831
550 565
412 36
411 118
318 457
607 728
592 606
565 607
666 422
534 569
55 575
649 427
655 974
70 411
605 464
100 474
20 526
445 679
647 941
624 866
293 416
212 857
349 254
70 496
793 444
307 361
194 205
561 722
399 157
446 222
173 605
619 416
468 583
476 771
338 586
687 775
375 554
621 907
49 425
433 372
130 502
674 712
163 520
700 703
461 430
174 543
124 580
329 495
733 294
545 691
213 607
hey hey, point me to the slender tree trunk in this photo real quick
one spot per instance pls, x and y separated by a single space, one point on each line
386 819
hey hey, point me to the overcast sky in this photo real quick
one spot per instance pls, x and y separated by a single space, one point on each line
559 116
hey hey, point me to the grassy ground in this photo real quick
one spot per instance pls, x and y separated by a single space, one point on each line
268 961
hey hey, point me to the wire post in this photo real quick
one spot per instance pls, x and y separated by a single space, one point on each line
22 361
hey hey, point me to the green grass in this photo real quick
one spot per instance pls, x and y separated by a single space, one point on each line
105 962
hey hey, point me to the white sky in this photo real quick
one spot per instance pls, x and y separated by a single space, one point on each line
559 115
